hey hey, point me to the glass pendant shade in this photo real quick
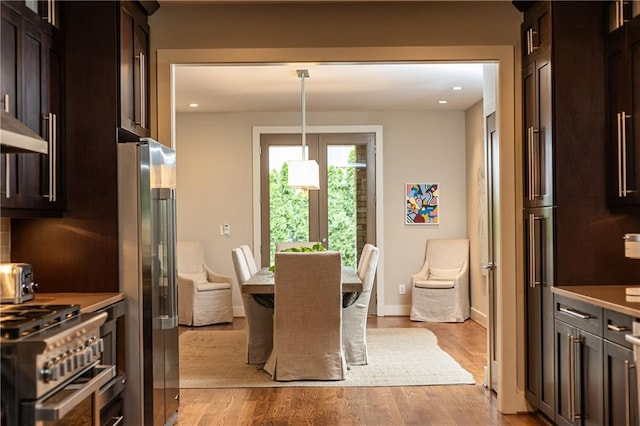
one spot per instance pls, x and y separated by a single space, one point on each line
304 174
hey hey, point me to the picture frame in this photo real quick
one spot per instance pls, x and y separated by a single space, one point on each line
422 201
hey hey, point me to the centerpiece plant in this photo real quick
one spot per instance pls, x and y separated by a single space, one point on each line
301 249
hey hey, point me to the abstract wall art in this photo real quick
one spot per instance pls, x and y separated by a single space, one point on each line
422 200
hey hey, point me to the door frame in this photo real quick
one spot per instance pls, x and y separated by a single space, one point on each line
509 312
257 131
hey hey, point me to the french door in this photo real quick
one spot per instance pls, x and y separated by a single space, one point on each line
341 214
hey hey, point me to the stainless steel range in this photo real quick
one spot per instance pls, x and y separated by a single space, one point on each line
50 365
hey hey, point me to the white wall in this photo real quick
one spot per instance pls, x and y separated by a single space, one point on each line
214 159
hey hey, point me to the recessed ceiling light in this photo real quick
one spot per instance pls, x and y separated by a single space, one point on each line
193 105
456 88
442 102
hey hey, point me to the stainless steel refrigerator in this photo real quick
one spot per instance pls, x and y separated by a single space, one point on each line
147 239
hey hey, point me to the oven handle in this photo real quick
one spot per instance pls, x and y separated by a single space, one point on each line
56 411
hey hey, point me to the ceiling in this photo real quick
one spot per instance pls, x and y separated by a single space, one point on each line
330 87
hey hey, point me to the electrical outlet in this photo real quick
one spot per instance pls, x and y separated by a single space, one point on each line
402 289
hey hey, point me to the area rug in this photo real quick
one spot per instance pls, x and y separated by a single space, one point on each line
397 357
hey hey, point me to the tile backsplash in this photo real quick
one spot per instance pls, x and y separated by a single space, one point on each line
5 239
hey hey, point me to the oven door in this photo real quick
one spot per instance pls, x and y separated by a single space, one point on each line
76 403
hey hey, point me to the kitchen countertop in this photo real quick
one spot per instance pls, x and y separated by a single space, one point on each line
89 302
611 297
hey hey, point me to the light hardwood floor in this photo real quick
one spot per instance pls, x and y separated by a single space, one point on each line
410 405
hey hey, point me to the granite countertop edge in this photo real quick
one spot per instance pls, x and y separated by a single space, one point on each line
89 302
612 297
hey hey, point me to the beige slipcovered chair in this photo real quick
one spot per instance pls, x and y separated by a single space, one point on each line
259 318
307 334
204 296
283 245
354 317
440 290
251 261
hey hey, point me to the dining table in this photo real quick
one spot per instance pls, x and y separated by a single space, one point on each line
263 282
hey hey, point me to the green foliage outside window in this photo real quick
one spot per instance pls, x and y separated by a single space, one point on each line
289 211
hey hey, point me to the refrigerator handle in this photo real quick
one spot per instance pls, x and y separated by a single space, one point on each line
168 312
172 296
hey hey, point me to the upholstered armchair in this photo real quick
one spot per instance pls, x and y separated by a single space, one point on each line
354 316
440 290
204 296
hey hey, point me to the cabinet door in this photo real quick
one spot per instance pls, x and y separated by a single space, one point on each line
623 139
535 31
11 29
134 75
589 379
633 125
52 165
538 133
565 374
26 49
579 378
620 386
539 268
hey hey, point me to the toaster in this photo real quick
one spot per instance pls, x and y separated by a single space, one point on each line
16 283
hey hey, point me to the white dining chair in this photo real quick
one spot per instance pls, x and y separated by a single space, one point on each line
259 319
307 334
251 261
354 317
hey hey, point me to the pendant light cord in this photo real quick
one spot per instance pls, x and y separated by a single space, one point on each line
302 74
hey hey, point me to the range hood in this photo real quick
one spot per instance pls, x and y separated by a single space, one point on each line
15 137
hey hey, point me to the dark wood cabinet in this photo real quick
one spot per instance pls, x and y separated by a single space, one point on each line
579 361
535 31
620 372
134 69
539 278
537 105
623 114
580 380
538 221
32 184
538 130
595 367
84 243
620 389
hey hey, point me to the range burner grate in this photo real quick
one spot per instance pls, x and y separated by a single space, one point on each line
23 320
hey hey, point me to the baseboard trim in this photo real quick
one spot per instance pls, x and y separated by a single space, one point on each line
397 310
479 317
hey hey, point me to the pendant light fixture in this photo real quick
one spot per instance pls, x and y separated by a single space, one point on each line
304 174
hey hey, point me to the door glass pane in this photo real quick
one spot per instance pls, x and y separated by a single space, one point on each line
289 208
343 203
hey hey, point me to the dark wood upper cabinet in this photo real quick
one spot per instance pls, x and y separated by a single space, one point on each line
622 58
94 74
32 185
134 69
536 32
